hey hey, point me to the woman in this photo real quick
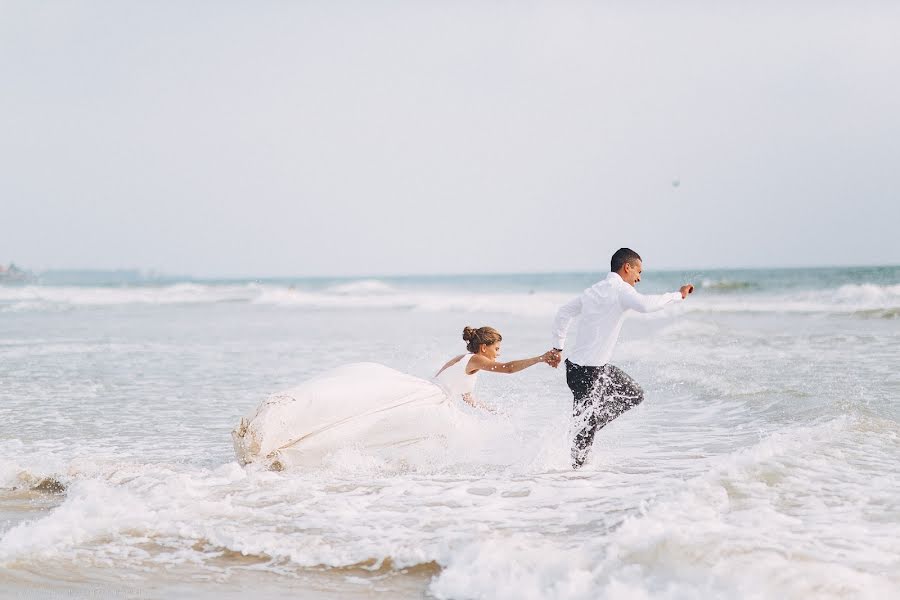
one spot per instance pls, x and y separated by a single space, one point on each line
370 406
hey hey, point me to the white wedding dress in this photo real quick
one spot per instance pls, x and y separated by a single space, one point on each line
363 405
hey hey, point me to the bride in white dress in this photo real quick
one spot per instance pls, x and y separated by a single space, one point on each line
371 406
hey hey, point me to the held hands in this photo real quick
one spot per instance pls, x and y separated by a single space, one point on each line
552 358
685 290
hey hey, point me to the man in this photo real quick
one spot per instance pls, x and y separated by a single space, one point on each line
601 391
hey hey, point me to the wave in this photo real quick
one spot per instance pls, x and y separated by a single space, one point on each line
862 300
878 313
366 294
868 294
803 512
867 300
720 529
760 523
726 284
362 287
538 304
71 296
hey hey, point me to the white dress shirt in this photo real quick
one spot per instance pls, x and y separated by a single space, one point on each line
602 308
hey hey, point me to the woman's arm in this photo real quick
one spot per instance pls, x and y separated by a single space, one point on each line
450 363
482 363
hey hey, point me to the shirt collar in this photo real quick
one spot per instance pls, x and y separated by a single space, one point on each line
613 276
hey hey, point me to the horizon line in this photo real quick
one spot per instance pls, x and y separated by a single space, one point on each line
157 273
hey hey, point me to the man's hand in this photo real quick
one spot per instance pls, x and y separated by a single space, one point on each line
685 290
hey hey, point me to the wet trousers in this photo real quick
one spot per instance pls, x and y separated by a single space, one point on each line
600 395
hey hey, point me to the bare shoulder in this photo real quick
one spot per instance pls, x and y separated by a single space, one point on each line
477 362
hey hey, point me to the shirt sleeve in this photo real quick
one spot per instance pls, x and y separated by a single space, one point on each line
564 316
632 299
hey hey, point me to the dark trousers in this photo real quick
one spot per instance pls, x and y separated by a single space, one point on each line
600 395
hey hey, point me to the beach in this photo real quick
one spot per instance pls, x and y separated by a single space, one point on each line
761 464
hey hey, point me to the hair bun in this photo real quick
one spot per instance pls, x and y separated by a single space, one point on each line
474 338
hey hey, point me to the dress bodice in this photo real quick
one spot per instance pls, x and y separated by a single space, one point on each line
454 379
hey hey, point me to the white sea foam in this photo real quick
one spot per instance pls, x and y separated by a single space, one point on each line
734 530
758 524
373 294
847 299
181 293
362 287
355 296
721 528
761 464
538 304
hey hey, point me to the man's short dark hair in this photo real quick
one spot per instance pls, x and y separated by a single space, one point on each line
621 257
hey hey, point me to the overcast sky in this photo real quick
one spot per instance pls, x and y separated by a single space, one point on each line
351 138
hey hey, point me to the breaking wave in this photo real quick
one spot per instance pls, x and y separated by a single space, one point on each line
861 300
729 531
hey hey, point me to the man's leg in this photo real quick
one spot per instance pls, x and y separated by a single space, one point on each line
601 395
583 381
586 427
618 393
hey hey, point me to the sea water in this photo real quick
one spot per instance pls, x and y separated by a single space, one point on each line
762 463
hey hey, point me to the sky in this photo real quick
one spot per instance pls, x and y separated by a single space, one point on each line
331 138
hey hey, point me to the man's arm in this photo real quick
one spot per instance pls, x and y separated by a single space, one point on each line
631 298
564 316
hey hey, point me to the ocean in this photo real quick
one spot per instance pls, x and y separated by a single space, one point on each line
762 463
